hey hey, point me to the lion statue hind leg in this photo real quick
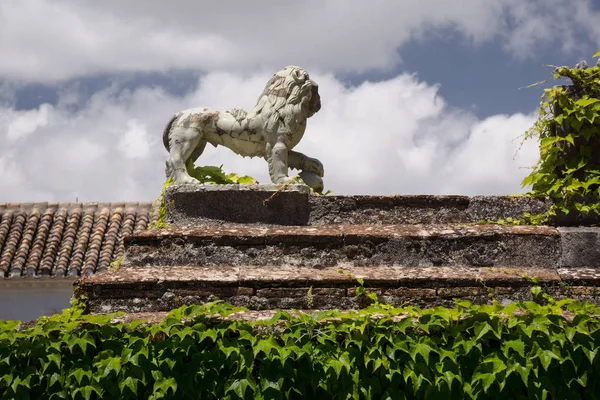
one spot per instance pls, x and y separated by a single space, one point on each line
184 144
197 152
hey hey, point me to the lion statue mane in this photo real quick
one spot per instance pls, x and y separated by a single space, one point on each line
270 130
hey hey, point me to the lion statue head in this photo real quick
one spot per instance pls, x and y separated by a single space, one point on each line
290 91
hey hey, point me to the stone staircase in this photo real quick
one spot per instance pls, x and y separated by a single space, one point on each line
421 250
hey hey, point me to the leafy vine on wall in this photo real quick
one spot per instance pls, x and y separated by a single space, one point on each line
568 127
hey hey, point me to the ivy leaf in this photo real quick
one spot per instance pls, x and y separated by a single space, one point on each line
209 333
169 362
481 328
586 102
246 180
265 345
344 362
516 345
266 383
52 326
576 124
86 392
486 380
108 365
522 370
546 357
84 341
79 374
409 375
536 290
449 377
538 323
130 384
163 385
54 379
486 372
239 387
569 138
448 354
422 349
582 379
336 366
18 382
52 358
132 353
591 354
229 350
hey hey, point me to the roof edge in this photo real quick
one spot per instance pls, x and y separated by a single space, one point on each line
6 207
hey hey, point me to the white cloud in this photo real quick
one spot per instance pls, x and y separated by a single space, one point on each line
134 143
50 40
394 136
558 23
484 163
27 123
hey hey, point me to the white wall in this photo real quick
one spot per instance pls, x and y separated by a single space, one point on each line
28 299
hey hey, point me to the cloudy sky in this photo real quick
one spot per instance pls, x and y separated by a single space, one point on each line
419 96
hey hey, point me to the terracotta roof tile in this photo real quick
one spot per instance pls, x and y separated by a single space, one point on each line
126 229
39 242
67 243
142 221
24 248
66 239
111 238
81 244
53 242
12 241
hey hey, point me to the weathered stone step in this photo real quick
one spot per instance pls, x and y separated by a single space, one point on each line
149 289
347 245
192 205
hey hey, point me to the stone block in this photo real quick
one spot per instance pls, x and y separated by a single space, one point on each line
404 292
189 205
502 207
299 292
580 247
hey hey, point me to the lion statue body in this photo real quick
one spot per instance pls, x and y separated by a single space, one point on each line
270 130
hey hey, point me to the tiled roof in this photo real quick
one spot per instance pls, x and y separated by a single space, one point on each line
66 239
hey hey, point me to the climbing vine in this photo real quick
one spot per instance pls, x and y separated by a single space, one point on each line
568 128
216 175
161 209
524 350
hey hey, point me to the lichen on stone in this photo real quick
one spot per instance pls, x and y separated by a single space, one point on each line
161 210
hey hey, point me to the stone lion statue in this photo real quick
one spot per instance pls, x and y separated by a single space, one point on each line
270 130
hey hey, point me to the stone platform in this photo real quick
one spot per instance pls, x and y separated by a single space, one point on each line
275 247
244 204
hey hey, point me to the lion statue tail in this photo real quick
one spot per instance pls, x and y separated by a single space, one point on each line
167 130
166 142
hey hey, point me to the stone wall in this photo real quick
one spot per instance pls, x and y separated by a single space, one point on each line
421 250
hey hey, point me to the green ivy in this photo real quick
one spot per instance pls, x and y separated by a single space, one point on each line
216 175
161 210
568 129
524 350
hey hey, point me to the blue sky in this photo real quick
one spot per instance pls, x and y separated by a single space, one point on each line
418 96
